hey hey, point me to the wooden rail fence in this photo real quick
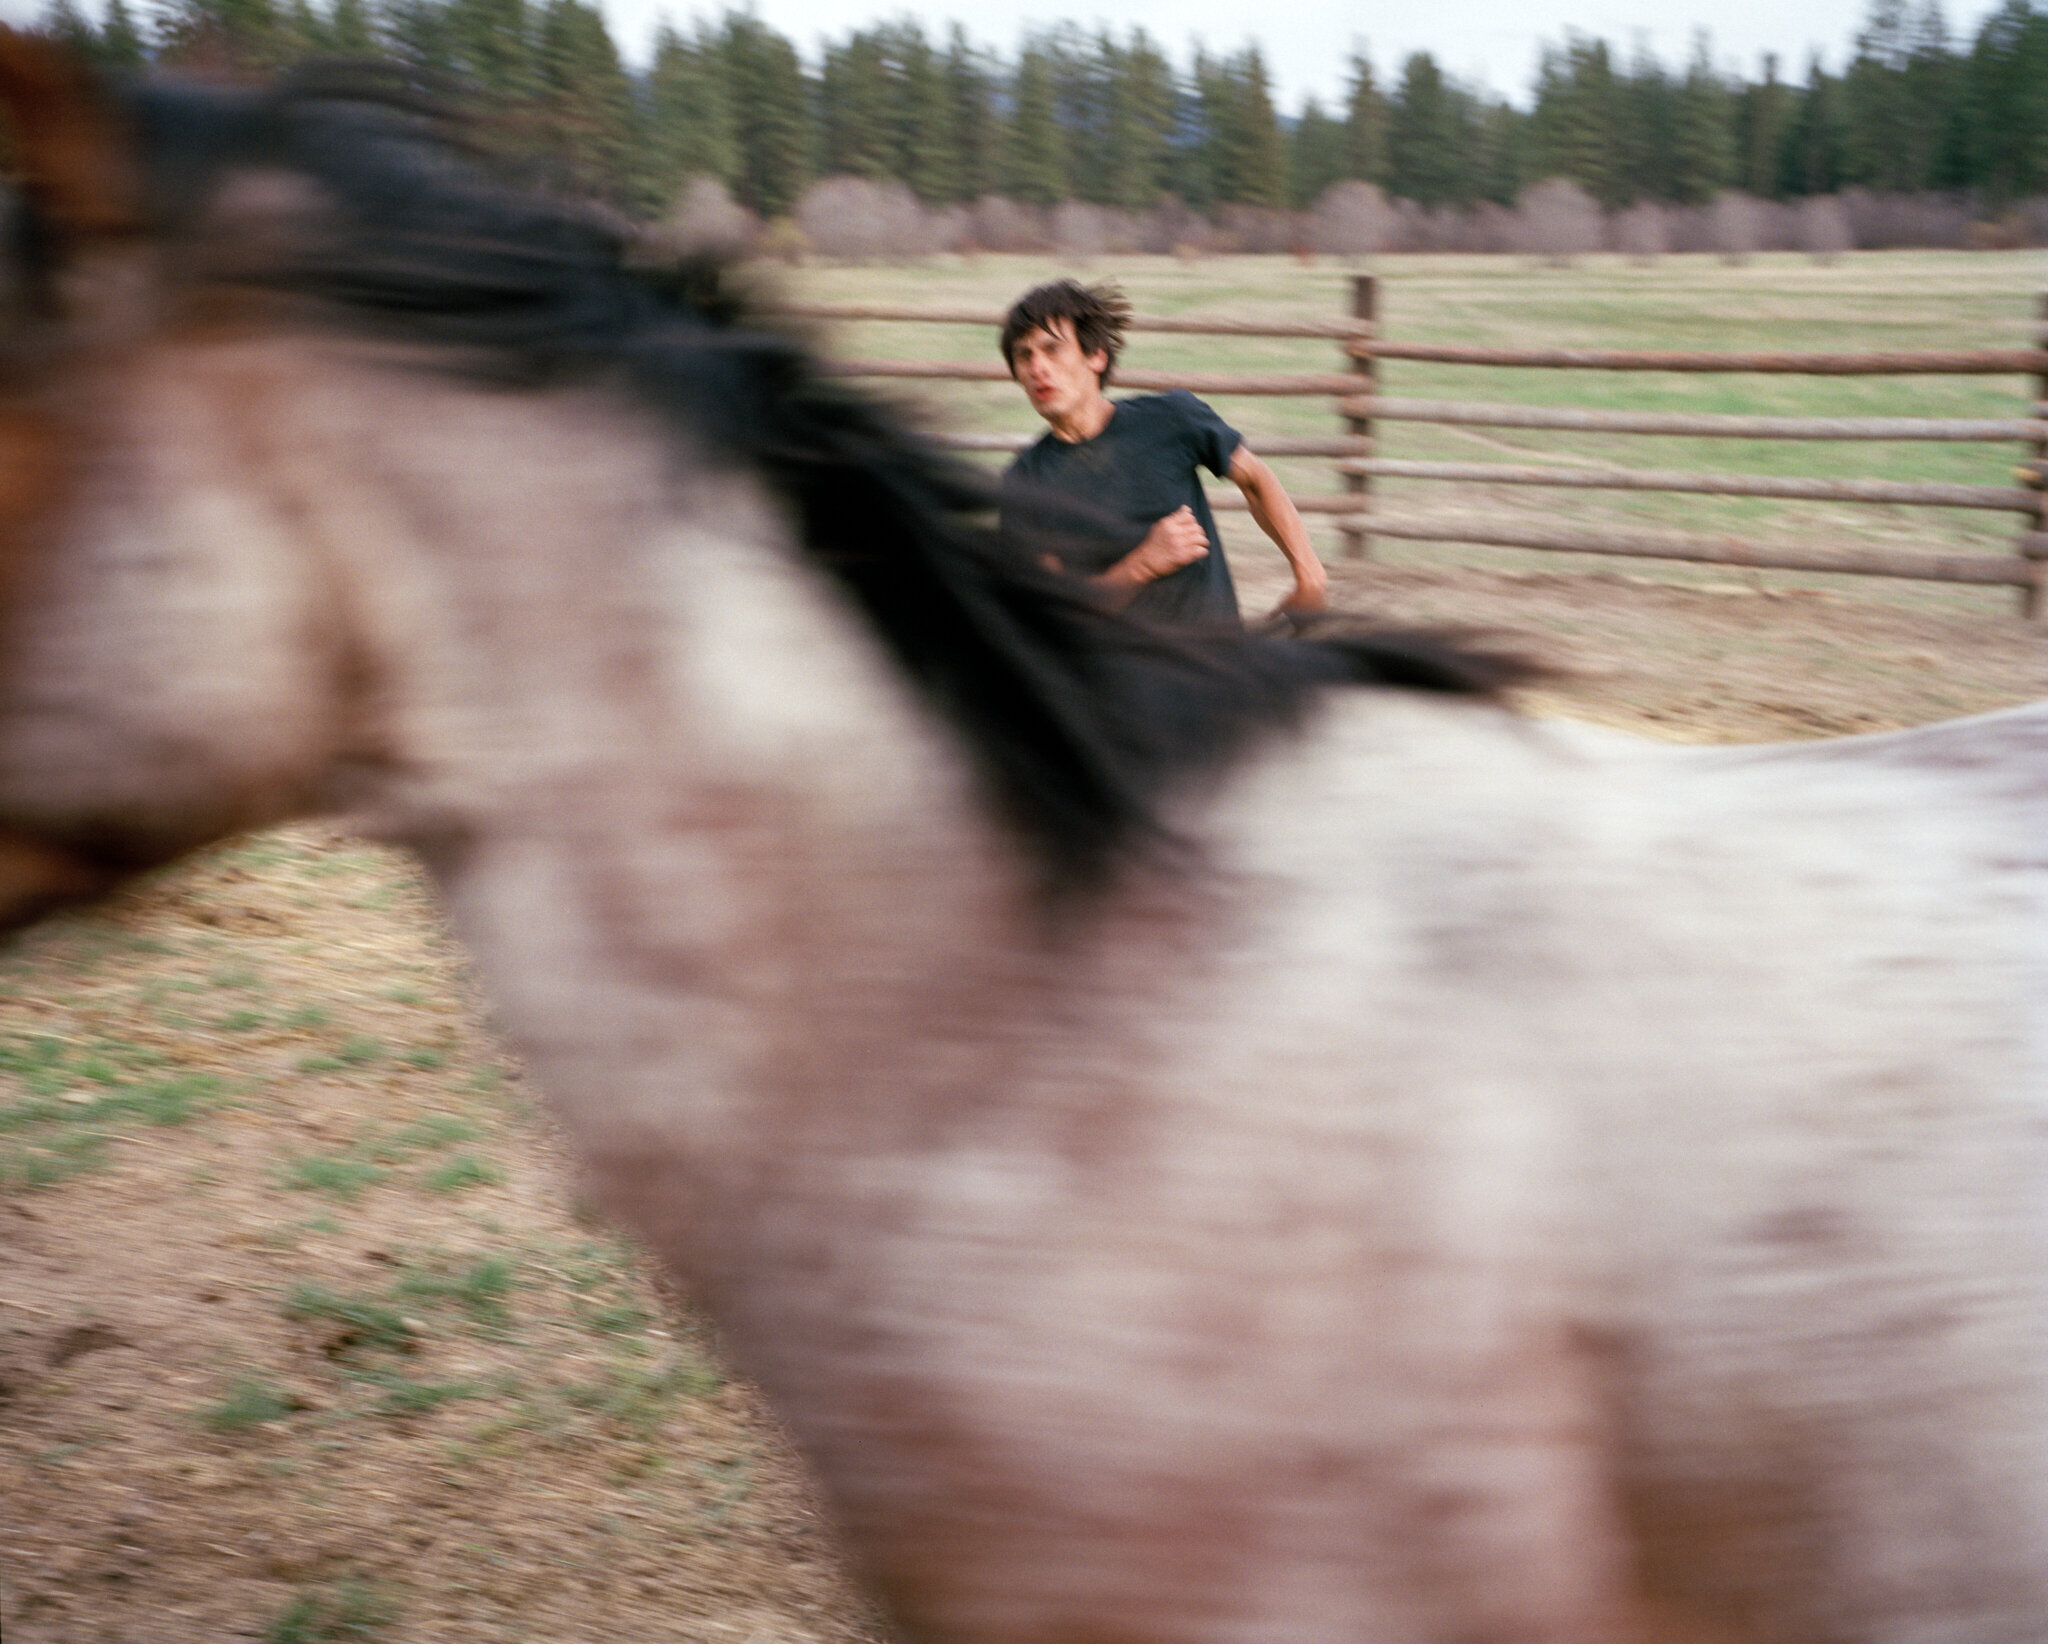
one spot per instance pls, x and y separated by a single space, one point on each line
1360 407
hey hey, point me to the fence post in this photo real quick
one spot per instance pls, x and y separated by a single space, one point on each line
2034 542
1364 306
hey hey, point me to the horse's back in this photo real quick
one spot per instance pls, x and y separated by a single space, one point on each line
1731 1062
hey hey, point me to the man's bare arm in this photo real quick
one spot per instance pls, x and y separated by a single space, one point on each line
1277 516
1174 541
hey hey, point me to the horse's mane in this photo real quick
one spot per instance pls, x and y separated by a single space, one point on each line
1081 721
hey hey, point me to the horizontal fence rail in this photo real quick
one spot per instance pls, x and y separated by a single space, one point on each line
1699 425
1305 384
1217 325
2010 499
1707 550
1339 445
1357 462
1945 362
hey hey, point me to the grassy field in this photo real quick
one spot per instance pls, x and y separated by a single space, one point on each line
303 1336
1866 302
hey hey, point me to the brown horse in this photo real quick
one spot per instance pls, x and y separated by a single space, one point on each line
1221 1141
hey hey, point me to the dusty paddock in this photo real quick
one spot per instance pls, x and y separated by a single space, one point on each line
301 1334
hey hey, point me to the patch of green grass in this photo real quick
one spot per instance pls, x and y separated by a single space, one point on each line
357 1050
335 863
463 1171
405 996
321 1615
52 1162
634 1400
308 1015
366 1321
248 1403
39 1061
341 1175
481 1288
618 1319
78 1100
423 1056
163 1102
399 1395
734 1480
430 1131
235 976
243 1021
286 1235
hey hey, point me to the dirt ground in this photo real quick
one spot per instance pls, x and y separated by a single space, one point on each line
302 1333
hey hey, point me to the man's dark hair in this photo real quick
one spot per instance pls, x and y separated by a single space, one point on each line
1098 314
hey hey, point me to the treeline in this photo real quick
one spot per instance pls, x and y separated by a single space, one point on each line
1112 123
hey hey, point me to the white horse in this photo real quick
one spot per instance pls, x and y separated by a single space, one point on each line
1199 1145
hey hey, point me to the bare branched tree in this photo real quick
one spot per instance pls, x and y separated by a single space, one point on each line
1557 220
1009 225
1642 233
1822 227
1352 220
704 217
1735 221
862 221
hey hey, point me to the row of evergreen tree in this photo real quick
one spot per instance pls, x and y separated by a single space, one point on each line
1113 121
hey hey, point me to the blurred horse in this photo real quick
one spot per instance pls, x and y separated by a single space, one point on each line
1205 1139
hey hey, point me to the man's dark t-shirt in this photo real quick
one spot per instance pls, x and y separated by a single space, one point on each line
1091 502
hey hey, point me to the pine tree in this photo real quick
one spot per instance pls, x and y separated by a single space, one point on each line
2005 103
120 42
1034 165
1079 108
1262 165
1428 146
1763 117
1901 121
591 118
1575 128
1365 124
772 120
1144 109
246 32
924 156
418 35
64 22
1811 161
689 114
1705 157
1500 153
1315 155
494 46
1243 159
967 86
853 109
348 23
1648 119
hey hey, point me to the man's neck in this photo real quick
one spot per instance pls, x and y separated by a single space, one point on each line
1084 422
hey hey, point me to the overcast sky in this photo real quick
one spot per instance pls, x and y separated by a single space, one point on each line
1308 42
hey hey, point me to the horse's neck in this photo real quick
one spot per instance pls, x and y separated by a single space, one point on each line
694 824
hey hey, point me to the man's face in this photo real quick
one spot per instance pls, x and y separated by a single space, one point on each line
1052 370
